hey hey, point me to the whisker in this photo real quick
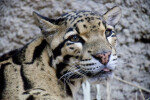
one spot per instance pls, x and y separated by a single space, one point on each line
72 73
68 72
65 75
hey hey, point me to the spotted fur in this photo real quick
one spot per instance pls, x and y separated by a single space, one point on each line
75 47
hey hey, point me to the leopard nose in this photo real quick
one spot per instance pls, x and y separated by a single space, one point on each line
103 57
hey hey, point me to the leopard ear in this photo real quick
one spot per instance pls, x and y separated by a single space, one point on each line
112 16
48 26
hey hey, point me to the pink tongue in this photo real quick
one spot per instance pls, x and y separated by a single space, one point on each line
106 69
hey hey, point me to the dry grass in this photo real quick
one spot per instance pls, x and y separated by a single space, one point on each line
108 91
131 84
86 90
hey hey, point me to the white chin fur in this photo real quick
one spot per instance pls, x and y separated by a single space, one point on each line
100 78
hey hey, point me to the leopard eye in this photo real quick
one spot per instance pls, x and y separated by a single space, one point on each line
74 38
108 32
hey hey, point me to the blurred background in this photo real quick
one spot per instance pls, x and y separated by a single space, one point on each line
17 27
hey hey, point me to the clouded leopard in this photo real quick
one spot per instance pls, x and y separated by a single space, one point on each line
74 47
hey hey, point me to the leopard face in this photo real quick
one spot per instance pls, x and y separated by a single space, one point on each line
82 45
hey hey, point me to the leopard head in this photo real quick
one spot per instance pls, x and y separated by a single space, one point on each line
82 45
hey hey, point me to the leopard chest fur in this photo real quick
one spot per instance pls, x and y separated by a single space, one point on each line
29 78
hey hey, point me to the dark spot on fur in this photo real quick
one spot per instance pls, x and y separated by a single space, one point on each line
26 92
77 57
65 23
84 26
104 23
42 69
38 50
85 59
79 16
94 26
99 23
69 44
15 69
74 18
72 48
80 20
37 93
26 82
89 51
19 56
8 55
16 60
67 57
72 82
88 19
85 72
75 25
2 79
70 19
77 29
60 67
92 18
30 98
57 50
70 29
59 21
51 61
50 79
68 90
